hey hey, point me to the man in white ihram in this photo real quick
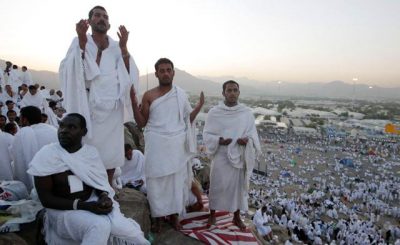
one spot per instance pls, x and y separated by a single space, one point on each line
33 98
72 184
96 75
28 141
170 143
231 140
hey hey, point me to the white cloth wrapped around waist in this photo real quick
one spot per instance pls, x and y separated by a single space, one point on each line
169 154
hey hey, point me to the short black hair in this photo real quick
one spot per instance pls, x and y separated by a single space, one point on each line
95 7
9 102
32 114
10 111
32 87
128 147
9 127
81 118
52 103
2 116
163 61
227 82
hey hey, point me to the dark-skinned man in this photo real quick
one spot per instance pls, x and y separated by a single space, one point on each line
72 184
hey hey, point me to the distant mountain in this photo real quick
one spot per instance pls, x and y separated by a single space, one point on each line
248 87
334 89
184 80
189 83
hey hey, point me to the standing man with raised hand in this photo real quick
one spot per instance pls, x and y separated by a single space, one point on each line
97 74
232 142
170 143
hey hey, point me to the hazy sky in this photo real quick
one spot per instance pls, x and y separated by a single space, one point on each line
288 40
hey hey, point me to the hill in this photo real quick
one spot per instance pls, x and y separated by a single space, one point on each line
248 87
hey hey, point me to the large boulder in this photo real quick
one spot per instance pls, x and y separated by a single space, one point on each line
12 239
134 205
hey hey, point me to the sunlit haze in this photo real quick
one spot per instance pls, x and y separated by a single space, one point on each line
286 40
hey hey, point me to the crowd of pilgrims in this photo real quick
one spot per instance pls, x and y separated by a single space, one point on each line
336 205
17 90
317 199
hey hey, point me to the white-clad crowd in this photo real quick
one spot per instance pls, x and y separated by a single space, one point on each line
318 199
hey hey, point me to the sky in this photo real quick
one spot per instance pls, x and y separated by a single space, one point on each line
265 40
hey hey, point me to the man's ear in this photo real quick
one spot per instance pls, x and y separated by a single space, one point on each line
85 131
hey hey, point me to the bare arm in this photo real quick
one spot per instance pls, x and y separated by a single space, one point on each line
196 192
141 114
198 107
44 187
123 40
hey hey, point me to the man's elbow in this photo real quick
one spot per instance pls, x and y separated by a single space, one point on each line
140 124
46 202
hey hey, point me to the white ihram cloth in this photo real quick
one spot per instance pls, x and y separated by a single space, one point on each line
27 142
258 220
6 96
14 80
80 226
6 172
34 100
2 79
26 78
170 143
52 118
107 104
231 165
133 170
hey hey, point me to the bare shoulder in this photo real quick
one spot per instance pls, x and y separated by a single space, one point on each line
151 95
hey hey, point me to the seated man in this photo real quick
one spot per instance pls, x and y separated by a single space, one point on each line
132 173
72 184
260 220
195 202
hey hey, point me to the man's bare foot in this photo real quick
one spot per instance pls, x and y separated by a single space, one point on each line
174 220
156 226
195 207
239 223
211 220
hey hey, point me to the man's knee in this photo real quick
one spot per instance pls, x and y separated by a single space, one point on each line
102 226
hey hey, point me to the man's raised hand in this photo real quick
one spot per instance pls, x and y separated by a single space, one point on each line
201 101
81 28
123 39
